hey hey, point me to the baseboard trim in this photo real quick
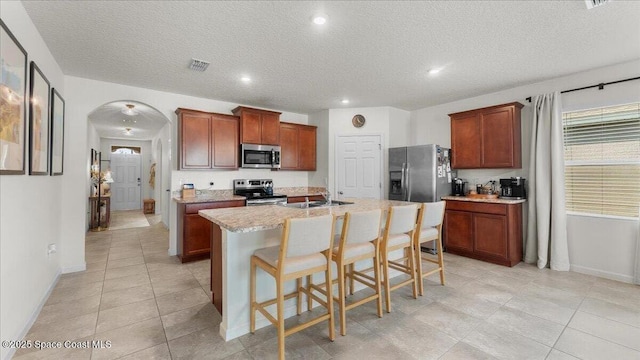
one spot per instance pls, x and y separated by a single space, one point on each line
35 313
603 274
76 268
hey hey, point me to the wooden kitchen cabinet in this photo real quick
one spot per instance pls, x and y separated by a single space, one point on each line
298 147
194 231
298 199
207 140
487 138
258 126
484 231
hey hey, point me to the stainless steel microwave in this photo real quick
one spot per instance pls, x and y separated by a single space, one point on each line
260 156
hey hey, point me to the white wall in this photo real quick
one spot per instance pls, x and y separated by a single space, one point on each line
145 151
431 125
30 208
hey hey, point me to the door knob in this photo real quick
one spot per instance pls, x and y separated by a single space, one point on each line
340 192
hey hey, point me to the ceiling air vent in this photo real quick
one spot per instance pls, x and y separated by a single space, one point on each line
594 3
200 65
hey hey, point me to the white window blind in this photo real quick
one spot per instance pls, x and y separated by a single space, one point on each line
602 160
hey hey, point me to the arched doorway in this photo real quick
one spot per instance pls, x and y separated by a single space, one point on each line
128 124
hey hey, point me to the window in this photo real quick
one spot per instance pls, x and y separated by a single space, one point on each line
125 150
602 160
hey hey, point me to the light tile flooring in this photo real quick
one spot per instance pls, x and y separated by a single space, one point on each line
152 307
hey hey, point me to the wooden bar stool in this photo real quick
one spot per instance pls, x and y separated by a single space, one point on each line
399 234
305 248
359 240
429 228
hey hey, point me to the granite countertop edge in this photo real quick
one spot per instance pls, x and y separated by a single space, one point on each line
227 195
490 201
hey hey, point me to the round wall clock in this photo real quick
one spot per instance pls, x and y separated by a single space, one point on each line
358 120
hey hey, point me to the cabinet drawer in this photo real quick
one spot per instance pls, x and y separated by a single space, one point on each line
194 208
498 209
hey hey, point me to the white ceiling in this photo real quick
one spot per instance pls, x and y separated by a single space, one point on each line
373 53
108 121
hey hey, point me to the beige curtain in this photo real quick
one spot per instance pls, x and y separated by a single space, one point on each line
636 277
546 243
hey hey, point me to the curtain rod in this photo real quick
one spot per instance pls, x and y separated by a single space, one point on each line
599 86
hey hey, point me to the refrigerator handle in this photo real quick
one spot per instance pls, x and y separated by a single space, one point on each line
403 183
408 172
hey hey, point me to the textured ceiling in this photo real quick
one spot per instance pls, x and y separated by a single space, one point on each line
373 53
110 122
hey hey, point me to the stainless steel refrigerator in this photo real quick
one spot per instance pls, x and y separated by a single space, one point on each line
420 173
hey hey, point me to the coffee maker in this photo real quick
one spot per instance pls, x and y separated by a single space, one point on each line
513 188
458 187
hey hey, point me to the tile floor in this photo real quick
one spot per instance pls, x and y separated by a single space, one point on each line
152 307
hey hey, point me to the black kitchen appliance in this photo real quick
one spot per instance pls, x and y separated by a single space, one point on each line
258 192
513 188
458 187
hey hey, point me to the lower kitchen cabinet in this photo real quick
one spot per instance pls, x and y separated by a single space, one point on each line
485 231
194 231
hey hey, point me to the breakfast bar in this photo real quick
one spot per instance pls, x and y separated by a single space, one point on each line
236 234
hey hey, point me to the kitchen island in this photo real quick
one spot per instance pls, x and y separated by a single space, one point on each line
236 233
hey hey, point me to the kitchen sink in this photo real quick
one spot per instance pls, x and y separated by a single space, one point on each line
315 204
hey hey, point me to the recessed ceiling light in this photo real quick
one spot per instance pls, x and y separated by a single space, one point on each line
245 79
434 71
129 110
345 101
320 19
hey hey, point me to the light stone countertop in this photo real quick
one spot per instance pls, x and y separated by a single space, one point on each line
256 218
299 191
209 196
491 201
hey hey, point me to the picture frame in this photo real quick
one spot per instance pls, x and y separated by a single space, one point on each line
57 133
13 103
39 134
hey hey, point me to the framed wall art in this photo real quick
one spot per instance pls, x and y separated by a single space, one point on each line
57 132
13 106
38 122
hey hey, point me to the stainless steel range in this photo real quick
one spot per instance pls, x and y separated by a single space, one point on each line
258 192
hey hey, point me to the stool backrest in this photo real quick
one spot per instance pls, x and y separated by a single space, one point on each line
432 214
361 226
402 219
306 236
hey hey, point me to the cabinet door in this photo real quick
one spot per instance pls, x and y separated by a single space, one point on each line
270 128
225 142
498 138
490 234
465 142
307 135
289 146
458 227
251 128
195 138
197 232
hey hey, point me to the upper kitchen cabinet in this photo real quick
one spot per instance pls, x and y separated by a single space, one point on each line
258 126
298 147
487 137
207 140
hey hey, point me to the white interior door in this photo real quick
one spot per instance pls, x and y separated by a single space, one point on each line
125 190
358 166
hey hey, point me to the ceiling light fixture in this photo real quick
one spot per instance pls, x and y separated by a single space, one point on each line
245 79
129 110
434 71
320 19
595 3
198 65
345 101
127 131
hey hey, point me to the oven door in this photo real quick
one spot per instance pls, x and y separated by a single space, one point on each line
260 156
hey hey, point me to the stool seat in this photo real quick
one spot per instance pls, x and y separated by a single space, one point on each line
428 233
356 250
398 239
293 264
